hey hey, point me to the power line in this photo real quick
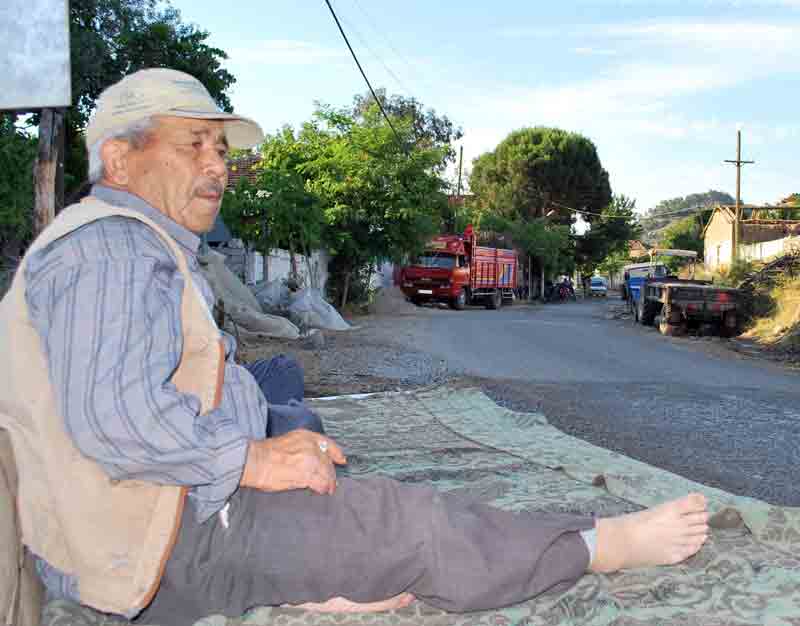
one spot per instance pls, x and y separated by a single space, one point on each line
366 80
380 32
375 55
584 212
686 211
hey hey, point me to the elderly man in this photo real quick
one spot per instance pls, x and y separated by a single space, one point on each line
123 398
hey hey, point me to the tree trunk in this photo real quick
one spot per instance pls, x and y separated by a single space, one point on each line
345 290
45 170
530 278
542 287
265 266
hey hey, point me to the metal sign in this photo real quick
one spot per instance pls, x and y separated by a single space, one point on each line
34 54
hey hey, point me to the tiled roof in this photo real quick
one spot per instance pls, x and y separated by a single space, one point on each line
242 167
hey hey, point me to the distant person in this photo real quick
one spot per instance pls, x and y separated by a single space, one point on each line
160 478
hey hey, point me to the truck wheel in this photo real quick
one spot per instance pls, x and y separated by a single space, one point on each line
416 301
730 325
460 301
495 301
671 330
648 315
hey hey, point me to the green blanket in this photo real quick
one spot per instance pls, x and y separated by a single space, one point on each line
461 441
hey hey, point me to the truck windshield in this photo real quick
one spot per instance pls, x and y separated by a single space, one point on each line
436 259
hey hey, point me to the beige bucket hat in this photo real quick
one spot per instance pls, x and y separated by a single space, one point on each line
161 91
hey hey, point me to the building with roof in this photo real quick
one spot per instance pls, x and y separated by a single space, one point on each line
243 166
761 237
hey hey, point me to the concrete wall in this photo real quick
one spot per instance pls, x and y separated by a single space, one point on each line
717 242
765 250
280 266
248 264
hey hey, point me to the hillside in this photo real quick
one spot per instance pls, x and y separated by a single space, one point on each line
667 212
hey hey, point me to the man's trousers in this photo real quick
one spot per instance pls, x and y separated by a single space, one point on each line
372 539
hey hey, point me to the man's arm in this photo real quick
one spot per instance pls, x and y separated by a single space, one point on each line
107 308
110 326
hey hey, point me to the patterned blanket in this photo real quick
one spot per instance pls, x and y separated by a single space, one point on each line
459 440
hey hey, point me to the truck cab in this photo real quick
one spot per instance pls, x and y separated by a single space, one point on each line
455 270
635 276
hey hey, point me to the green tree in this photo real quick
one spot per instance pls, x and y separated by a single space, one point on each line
17 154
346 182
685 234
427 128
382 199
546 242
278 211
609 233
612 265
534 170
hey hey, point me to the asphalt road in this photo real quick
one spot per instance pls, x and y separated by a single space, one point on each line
688 406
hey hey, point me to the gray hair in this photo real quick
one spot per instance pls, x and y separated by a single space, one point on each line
134 133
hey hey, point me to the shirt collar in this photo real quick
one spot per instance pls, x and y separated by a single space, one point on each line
127 200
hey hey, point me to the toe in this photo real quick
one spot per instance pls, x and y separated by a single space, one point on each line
696 519
693 503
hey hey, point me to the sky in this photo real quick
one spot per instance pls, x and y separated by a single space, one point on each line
659 86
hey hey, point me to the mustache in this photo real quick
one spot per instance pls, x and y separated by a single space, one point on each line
210 187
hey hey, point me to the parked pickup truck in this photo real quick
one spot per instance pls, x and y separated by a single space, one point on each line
675 304
455 270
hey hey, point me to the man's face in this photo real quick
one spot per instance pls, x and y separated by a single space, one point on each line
181 170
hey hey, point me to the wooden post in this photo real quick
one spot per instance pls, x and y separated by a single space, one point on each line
45 170
737 217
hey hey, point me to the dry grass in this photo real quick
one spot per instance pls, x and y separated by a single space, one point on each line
782 326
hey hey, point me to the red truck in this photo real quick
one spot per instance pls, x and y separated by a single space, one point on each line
455 270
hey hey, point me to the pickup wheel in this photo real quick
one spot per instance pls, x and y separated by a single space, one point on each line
495 301
460 301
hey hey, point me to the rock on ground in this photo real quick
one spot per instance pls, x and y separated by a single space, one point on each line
392 301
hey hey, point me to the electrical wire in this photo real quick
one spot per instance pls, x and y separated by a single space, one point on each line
687 212
366 80
387 40
375 55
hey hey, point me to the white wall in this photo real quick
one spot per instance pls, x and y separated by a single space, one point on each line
769 249
280 266
249 266
717 255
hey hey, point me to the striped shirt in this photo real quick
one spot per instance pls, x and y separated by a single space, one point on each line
106 302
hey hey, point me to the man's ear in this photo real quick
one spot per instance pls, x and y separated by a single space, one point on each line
114 154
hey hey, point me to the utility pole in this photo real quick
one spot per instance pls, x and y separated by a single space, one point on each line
737 218
460 159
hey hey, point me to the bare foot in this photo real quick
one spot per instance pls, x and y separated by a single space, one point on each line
664 535
343 605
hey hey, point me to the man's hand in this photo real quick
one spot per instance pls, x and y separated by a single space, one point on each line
297 460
